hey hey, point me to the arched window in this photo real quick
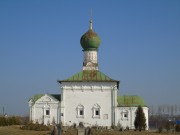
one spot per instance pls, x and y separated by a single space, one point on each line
96 111
80 111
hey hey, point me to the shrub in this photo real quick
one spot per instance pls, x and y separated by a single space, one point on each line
81 124
177 128
5 121
127 128
140 119
160 129
119 126
74 125
24 120
167 126
113 126
36 127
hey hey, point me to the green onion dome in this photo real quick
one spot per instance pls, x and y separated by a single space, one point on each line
90 40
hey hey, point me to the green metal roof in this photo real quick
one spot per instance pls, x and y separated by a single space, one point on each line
132 101
38 96
90 40
56 96
89 76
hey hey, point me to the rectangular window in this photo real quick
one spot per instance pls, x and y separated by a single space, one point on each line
81 112
47 112
125 115
97 113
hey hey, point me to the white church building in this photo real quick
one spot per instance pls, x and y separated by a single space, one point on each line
89 96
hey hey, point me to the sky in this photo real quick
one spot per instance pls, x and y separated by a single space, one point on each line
40 44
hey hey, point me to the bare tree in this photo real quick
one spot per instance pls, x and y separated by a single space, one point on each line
168 109
152 110
175 109
172 110
159 110
163 108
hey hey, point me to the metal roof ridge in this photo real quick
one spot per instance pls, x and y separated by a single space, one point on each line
89 75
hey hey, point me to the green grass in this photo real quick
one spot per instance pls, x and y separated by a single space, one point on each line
15 130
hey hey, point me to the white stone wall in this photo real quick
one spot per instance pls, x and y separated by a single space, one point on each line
90 60
45 110
90 56
88 96
125 116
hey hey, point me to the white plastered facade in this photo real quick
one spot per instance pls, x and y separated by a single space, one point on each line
125 117
45 110
96 101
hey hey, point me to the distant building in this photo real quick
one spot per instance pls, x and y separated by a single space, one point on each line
177 122
89 96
